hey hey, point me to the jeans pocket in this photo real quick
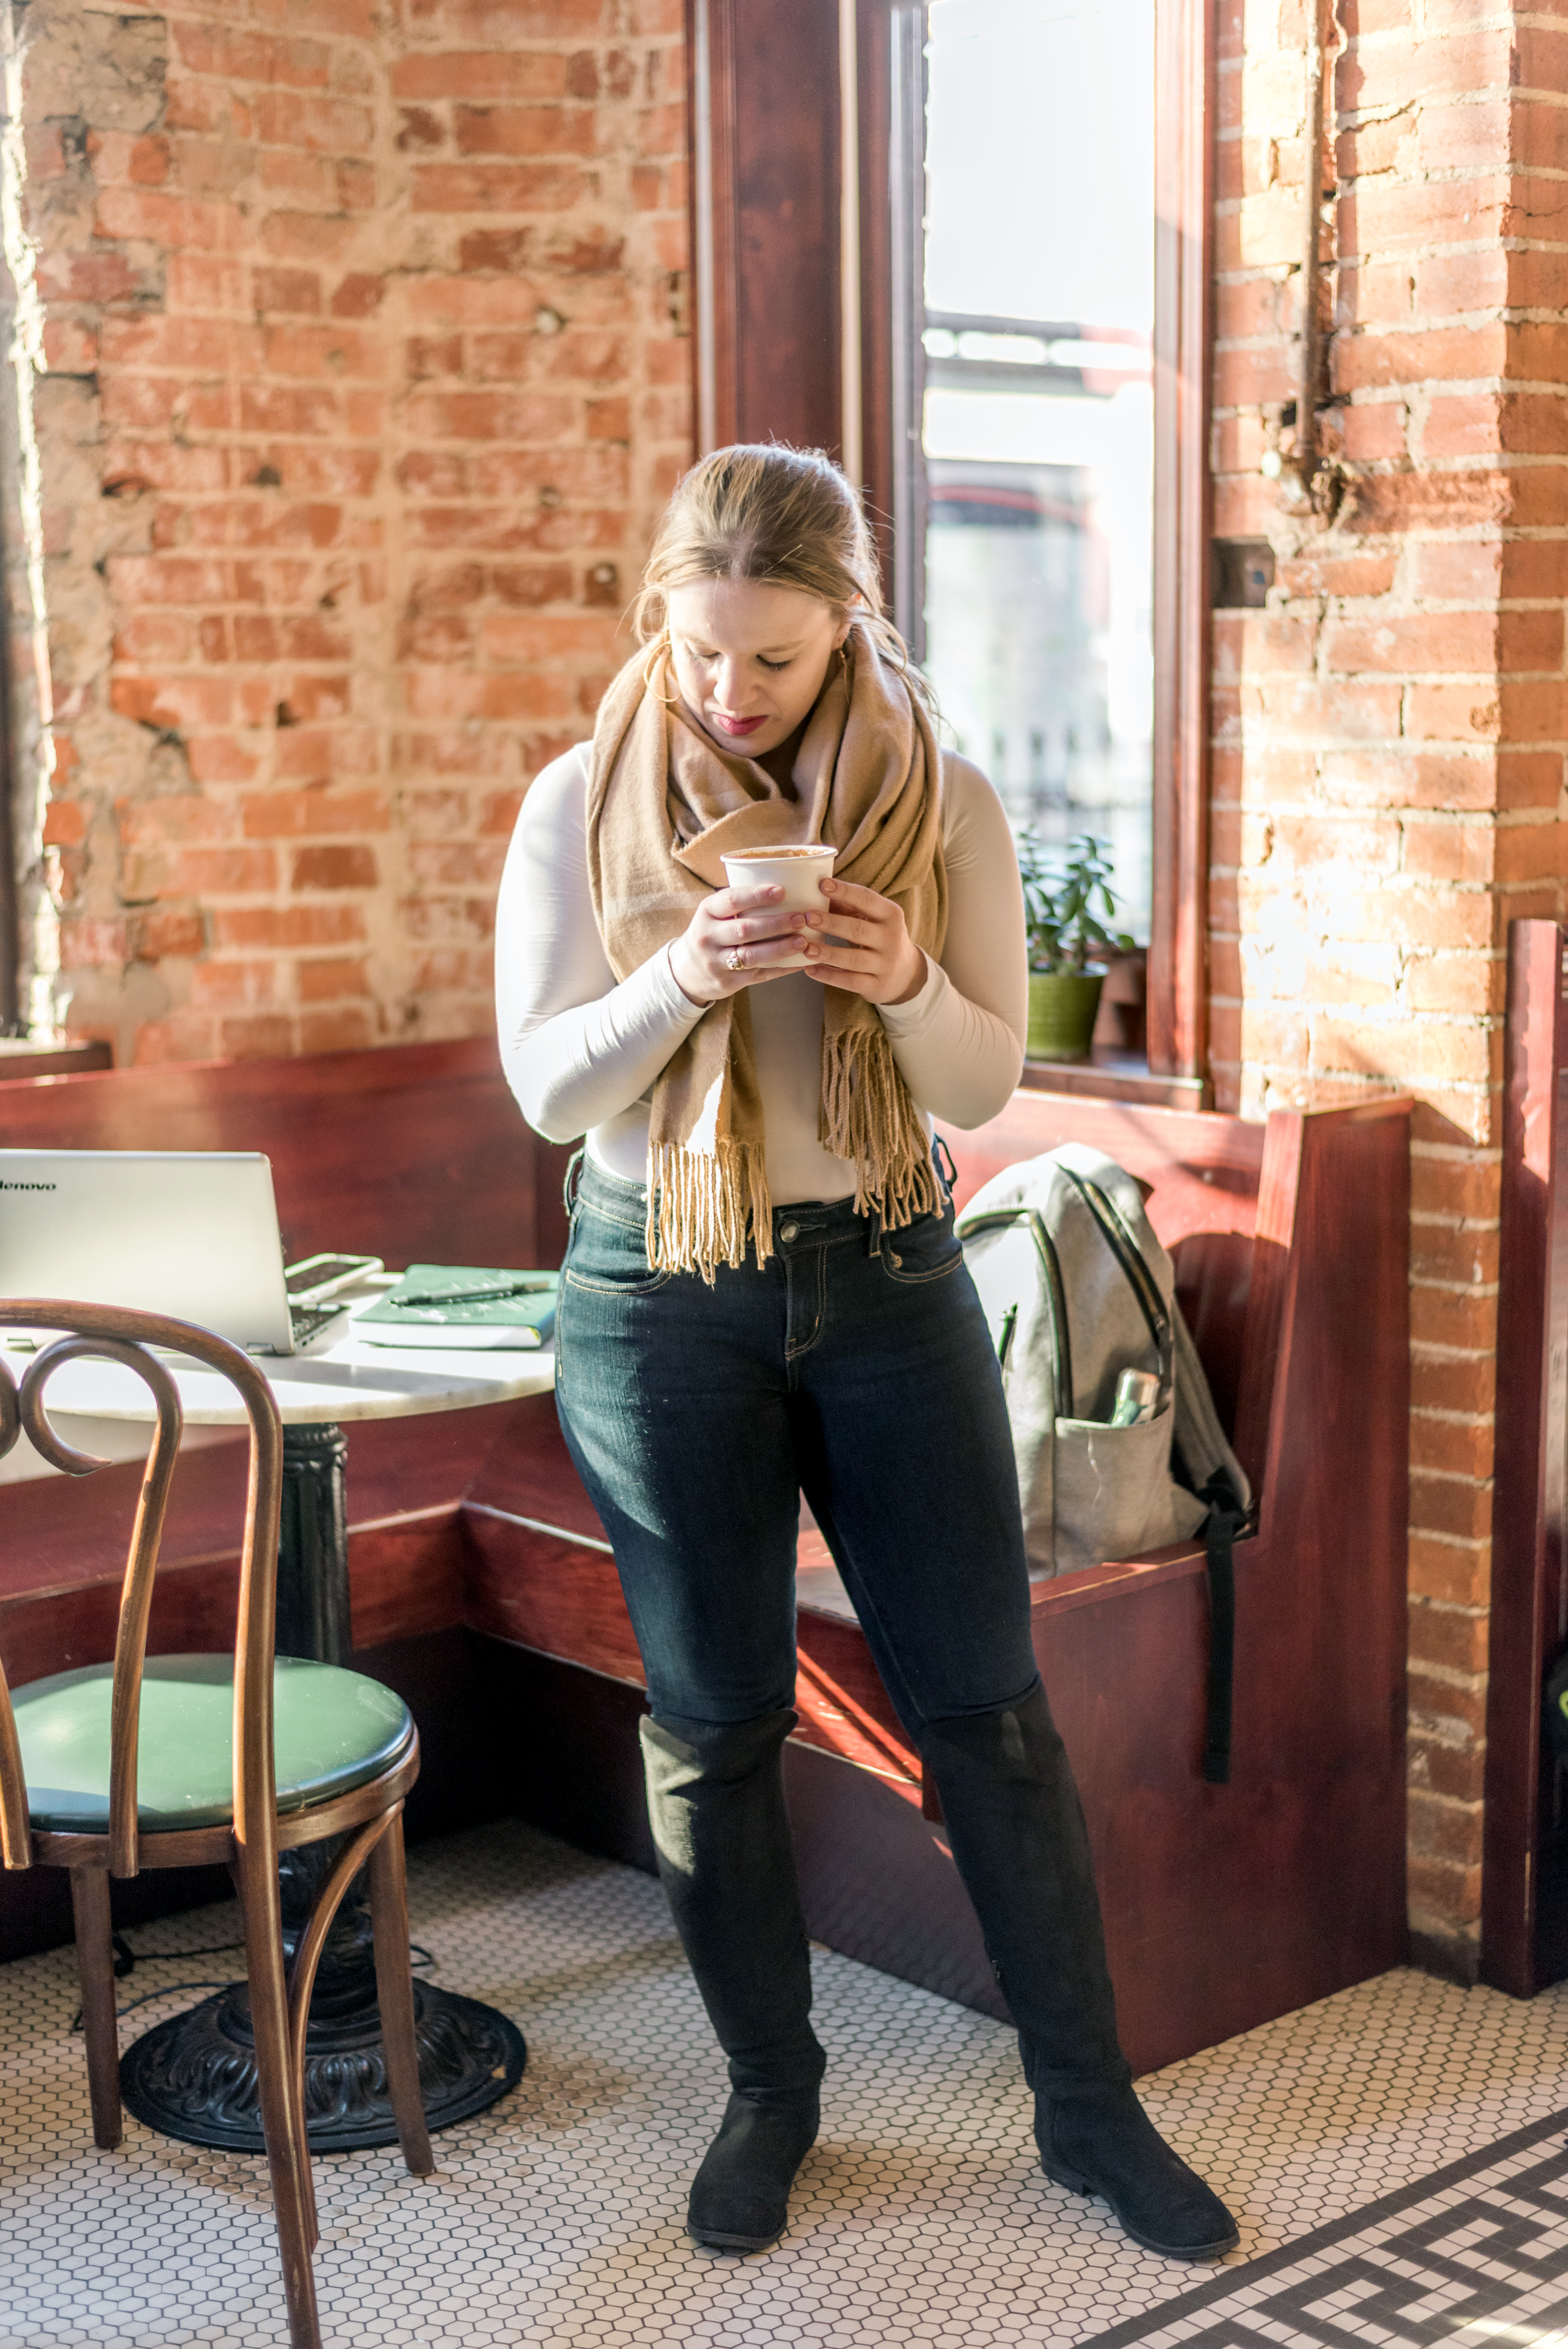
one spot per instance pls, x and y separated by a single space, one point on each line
927 1250
607 1256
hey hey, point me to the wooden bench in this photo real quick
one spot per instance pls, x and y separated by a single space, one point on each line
484 1588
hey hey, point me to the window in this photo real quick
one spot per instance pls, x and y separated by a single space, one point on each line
1011 354
1036 422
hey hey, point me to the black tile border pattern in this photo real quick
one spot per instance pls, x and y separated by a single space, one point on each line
1252 2273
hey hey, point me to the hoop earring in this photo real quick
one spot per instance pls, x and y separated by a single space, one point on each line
661 646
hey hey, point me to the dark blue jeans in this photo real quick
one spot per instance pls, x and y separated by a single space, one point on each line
854 1367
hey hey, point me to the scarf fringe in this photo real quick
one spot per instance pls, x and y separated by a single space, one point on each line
704 1204
869 1118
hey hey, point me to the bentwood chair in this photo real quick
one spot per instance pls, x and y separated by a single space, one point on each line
130 1773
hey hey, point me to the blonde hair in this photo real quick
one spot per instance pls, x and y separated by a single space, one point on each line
784 516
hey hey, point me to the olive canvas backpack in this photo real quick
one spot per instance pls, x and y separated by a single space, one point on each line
1077 1290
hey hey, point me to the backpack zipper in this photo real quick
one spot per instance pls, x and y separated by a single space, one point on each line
1130 1255
1003 1218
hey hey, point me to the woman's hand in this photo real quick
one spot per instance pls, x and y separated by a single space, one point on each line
877 958
744 924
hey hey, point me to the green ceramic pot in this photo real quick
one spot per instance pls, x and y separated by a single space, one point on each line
1062 1008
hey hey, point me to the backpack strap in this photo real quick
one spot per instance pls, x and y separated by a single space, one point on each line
1227 1515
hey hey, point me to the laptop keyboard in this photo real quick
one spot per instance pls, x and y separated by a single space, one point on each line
306 1321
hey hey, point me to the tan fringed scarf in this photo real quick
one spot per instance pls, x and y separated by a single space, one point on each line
665 805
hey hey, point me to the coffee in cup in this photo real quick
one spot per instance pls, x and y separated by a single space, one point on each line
798 872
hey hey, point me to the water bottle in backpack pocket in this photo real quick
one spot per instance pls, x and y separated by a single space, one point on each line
1078 1294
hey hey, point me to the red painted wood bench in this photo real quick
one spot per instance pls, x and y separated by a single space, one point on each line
483 1585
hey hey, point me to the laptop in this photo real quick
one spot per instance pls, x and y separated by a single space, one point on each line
189 1233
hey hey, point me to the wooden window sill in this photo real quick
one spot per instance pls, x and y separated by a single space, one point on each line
1111 1075
19 1059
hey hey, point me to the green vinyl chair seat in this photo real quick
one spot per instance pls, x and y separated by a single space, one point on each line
333 1730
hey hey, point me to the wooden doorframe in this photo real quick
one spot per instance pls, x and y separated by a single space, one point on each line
1183 343
767 149
1524 1923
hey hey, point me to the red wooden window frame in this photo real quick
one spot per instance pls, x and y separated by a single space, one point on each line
769 149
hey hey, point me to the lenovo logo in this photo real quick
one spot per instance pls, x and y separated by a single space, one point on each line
26 1186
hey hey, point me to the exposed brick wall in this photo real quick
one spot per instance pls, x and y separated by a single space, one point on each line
363 377
1390 732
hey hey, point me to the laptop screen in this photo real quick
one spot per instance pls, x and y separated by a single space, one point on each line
189 1233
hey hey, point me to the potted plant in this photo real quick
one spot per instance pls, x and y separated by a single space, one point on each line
1064 932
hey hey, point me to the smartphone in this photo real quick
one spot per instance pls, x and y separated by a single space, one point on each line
318 1276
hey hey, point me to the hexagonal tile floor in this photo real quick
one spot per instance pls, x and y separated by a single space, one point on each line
556 2217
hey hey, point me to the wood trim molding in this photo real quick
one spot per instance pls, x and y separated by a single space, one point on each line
768 233
1522 1924
1178 959
710 80
874 98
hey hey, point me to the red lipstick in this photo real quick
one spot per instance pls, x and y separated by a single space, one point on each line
737 725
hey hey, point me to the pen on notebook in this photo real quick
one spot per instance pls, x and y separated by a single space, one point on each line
473 1296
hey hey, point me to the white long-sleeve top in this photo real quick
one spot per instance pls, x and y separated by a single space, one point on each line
581 1052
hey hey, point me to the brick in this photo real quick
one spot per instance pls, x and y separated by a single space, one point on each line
1467 984
1452 1317
497 188
1414 644
1454 1253
1470 711
311 119
489 416
200 873
344 1029
187 1036
488 73
502 130
1318 573
258 1037
1447 851
1448 500
287 928
1459 1775
1530 852
1408 776
1529 779
341 865
1455 1573
1442 1829
285 815
1366 361
234 986
1451 1638
331 978
1450 1504
211 47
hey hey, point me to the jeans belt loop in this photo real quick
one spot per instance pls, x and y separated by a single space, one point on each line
569 1189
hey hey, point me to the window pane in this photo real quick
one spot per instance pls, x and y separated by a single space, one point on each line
1038 420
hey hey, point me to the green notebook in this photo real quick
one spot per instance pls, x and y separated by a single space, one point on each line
458 1306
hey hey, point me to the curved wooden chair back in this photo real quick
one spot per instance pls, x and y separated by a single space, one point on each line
116 1334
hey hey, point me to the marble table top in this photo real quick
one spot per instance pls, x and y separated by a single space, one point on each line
337 1376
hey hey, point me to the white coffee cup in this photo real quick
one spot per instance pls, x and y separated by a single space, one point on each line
798 872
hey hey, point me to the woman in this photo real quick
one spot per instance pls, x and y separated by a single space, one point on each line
764 1293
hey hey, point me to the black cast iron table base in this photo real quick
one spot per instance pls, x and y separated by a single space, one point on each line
194 2077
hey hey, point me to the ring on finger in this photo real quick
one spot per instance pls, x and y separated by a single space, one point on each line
736 959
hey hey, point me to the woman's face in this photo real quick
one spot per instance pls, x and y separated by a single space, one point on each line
750 659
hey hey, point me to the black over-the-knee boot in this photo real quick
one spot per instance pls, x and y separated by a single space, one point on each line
1018 1837
715 1799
